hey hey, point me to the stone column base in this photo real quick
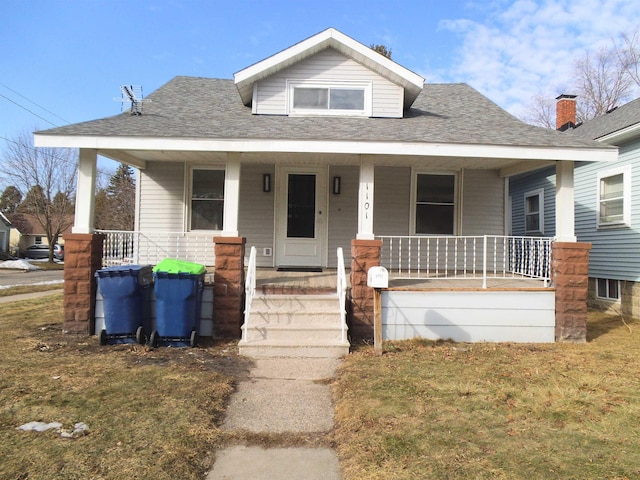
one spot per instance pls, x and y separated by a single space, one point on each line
364 255
570 275
228 287
82 258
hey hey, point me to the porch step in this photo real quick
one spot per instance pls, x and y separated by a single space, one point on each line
294 326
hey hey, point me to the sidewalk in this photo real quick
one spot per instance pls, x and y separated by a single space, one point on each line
27 296
281 396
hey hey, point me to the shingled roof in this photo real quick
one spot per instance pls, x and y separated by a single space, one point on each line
205 108
617 120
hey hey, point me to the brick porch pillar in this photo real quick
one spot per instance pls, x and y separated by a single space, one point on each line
228 287
570 275
82 258
364 255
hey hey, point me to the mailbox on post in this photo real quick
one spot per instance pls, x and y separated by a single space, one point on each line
377 278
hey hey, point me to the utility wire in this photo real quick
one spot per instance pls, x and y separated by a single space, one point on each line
30 111
34 103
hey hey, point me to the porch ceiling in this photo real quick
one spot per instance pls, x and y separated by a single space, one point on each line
139 158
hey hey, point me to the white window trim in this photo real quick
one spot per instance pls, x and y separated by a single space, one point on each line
626 197
367 86
608 299
414 196
540 194
189 194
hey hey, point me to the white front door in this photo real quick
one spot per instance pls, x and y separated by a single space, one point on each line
301 217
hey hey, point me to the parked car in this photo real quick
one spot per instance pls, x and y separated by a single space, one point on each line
58 251
36 251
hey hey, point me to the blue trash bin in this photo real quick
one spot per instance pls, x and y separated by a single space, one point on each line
178 289
124 290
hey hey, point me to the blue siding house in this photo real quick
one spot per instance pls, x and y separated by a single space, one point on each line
607 208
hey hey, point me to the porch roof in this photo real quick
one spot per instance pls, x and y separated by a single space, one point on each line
206 115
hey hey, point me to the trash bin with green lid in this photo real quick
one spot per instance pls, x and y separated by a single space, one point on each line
178 289
124 290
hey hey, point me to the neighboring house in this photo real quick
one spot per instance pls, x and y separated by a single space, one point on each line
27 231
607 210
327 144
5 231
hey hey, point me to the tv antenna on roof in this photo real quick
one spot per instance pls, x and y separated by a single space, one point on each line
132 95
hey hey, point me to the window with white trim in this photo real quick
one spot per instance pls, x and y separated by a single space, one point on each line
534 212
614 197
608 289
435 205
207 199
330 98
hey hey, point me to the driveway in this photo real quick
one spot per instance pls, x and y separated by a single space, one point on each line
19 277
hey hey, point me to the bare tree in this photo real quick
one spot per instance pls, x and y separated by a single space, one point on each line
602 83
629 55
45 178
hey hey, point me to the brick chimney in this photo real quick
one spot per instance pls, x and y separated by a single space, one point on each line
565 112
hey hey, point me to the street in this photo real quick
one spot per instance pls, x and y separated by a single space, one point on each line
18 277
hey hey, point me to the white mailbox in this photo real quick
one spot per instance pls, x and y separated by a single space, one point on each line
378 277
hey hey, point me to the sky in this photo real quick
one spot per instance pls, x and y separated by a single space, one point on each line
63 61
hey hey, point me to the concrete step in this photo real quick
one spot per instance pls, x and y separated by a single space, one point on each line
266 349
294 326
295 334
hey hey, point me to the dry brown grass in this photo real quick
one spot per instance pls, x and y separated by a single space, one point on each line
19 289
493 411
151 413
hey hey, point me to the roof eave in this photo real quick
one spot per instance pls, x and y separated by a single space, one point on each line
614 138
507 152
411 82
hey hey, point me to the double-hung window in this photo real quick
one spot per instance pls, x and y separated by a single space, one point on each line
330 99
534 212
207 199
435 206
614 197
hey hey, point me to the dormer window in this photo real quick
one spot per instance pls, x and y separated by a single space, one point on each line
353 99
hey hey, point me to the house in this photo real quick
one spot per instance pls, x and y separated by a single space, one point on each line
329 145
27 230
5 231
606 211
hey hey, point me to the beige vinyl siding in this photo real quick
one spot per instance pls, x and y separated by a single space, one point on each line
392 200
329 65
255 216
482 203
343 212
162 198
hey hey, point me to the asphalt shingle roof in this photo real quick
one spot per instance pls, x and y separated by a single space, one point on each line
618 119
192 107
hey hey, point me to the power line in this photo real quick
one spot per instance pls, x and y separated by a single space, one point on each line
37 105
31 112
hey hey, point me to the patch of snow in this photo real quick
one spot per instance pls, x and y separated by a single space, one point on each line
21 264
48 282
79 428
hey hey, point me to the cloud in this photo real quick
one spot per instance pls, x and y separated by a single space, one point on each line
522 48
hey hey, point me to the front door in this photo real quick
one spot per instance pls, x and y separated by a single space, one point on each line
301 217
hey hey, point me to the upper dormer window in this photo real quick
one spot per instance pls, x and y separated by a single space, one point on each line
319 98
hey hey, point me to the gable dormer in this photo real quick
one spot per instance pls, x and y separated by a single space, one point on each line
328 74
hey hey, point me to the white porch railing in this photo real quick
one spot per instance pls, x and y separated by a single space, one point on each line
124 247
342 294
487 256
249 291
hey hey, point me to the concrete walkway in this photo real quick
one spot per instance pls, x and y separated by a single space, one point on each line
27 296
281 396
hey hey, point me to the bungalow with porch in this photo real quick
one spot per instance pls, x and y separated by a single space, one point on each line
329 147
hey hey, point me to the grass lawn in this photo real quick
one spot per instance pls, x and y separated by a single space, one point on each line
493 411
150 413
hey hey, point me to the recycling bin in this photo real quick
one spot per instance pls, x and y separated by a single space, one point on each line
124 290
178 289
